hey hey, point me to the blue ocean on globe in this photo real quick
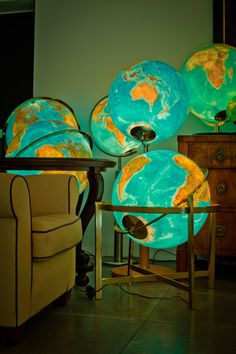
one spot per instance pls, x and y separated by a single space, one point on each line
35 132
68 143
150 95
161 178
107 137
38 109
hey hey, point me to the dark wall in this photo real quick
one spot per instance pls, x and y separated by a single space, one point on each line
16 61
224 22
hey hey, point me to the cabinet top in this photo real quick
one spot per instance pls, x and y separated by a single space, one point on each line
214 137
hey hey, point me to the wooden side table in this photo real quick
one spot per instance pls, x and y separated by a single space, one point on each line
217 153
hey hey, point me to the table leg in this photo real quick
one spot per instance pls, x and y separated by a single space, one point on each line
96 188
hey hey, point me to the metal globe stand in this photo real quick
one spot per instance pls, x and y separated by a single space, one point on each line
142 274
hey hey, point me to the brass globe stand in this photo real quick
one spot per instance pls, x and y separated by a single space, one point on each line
175 278
145 136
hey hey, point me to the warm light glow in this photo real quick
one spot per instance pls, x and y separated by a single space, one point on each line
107 137
210 76
160 178
148 101
64 143
44 127
231 110
38 109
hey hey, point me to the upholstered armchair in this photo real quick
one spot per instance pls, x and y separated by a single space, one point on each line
39 231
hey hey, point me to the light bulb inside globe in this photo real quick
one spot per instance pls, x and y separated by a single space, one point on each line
143 133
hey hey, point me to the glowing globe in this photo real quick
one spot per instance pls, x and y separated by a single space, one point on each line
38 109
64 144
34 132
107 137
148 101
231 110
160 178
210 76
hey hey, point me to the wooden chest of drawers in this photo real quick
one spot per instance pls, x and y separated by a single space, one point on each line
217 153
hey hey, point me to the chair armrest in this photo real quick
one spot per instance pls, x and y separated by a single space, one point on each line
53 193
15 250
14 196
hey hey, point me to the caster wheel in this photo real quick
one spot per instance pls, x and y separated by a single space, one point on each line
90 292
81 280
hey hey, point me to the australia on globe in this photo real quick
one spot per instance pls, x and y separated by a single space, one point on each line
148 101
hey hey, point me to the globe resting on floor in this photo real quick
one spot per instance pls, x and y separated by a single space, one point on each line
107 137
148 101
210 76
160 178
38 109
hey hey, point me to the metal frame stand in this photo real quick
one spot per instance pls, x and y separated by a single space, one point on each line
176 278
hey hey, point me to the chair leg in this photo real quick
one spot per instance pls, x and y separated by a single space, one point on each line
63 299
11 335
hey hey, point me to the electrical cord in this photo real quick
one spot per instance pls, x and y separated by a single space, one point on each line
91 293
152 297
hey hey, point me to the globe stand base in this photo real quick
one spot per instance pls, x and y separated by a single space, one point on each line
109 260
137 270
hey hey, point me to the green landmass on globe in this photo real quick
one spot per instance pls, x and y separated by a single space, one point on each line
210 76
231 110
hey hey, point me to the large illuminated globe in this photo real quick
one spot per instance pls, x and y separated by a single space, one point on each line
148 101
160 178
34 132
107 137
35 110
64 144
231 110
210 76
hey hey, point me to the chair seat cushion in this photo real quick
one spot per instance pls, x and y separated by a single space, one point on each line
53 234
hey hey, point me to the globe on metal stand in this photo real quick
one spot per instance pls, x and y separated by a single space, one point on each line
108 139
146 136
210 77
149 103
174 178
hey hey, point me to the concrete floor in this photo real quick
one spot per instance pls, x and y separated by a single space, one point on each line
130 324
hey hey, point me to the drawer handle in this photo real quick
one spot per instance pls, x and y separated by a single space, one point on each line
220 231
221 188
220 155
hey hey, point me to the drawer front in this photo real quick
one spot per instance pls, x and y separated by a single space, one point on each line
225 236
213 155
222 184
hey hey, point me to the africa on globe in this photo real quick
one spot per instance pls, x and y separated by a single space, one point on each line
210 76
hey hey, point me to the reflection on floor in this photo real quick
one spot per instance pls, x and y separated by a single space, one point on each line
159 323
